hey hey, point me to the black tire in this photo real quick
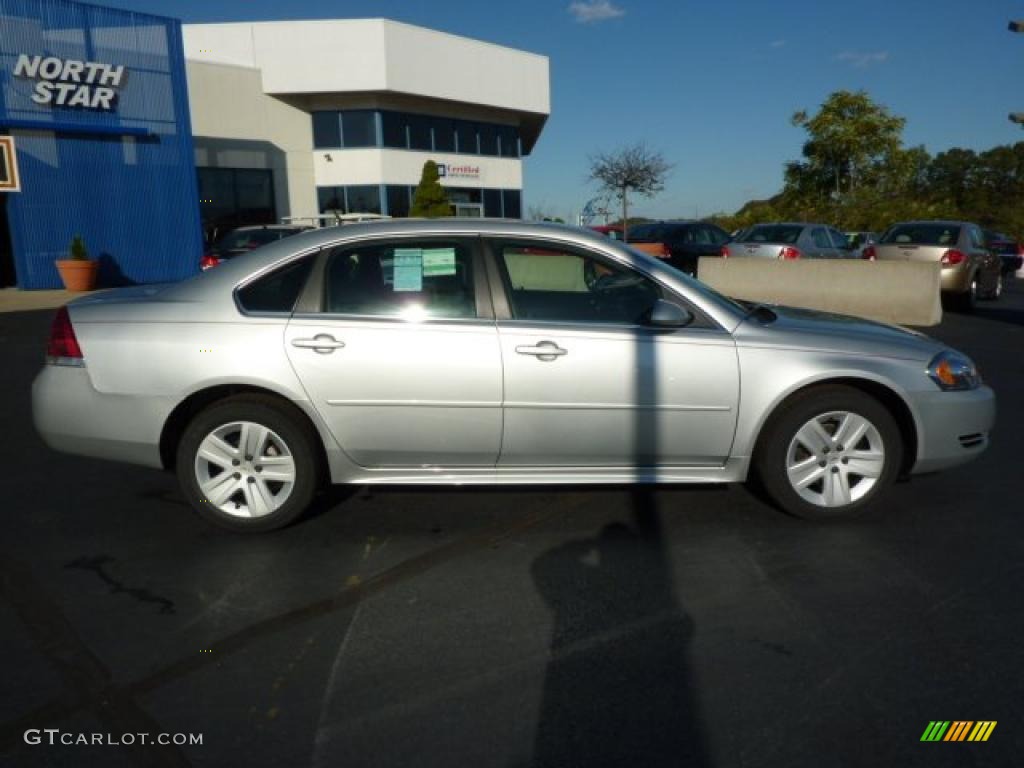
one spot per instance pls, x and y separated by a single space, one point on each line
997 288
965 302
770 459
299 440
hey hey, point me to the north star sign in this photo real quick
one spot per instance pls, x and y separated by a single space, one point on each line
71 83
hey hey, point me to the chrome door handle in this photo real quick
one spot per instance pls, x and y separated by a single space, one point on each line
545 350
322 343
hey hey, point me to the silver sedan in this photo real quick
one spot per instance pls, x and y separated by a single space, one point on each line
489 352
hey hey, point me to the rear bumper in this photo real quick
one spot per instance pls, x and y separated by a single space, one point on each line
1011 263
956 279
954 427
72 417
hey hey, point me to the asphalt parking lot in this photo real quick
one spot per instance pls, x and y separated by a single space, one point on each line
546 627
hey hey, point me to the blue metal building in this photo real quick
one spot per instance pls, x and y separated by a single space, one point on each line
96 100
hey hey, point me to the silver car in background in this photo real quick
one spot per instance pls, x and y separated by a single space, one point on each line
491 352
789 241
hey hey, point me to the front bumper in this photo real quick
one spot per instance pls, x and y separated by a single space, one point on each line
953 427
73 417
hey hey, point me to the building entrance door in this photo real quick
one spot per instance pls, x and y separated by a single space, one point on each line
8 277
468 210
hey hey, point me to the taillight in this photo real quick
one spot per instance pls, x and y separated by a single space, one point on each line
208 261
725 251
952 257
63 348
789 253
869 253
1020 249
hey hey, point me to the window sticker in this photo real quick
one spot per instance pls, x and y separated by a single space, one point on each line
438 262
408 269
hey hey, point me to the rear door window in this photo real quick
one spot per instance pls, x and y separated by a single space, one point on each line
820 238
407 280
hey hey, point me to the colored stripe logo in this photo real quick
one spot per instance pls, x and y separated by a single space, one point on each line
958 730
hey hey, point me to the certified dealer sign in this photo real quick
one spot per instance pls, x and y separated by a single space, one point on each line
70 82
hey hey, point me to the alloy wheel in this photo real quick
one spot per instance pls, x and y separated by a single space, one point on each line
835 459
245 469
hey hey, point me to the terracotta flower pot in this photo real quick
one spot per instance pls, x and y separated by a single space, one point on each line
78 275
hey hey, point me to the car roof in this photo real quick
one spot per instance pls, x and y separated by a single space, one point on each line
941 222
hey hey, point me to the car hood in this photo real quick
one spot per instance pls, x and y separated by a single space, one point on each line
795 328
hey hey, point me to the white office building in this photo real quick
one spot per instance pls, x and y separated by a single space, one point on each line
296 118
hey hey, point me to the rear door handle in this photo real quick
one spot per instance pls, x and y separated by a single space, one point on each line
545 350
322 343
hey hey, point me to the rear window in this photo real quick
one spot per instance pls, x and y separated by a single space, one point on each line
773 233
922 234
651 233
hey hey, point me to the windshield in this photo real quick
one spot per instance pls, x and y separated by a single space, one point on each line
773 233
923 234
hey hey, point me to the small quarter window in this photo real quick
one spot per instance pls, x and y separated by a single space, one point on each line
278 291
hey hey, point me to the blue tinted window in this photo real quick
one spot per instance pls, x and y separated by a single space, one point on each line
393 128
360 128
465 133
513 203
326 130
492 203
444 134
488 139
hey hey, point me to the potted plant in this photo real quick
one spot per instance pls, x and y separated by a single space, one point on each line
78 271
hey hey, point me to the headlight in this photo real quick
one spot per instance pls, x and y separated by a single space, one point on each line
952 372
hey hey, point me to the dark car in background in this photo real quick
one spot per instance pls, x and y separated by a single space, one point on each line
684 241
1009 249
245 239
790 240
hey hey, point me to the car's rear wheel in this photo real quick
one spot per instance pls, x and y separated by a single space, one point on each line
829 453
997 288
247 463
965 302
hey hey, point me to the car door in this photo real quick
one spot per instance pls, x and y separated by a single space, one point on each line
586 383
821 246
841 246
396 346
988 264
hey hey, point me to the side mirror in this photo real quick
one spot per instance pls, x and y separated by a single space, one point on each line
665 314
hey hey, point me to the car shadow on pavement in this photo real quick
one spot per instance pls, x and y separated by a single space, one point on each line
617 687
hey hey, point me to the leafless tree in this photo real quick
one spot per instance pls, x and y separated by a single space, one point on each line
634 169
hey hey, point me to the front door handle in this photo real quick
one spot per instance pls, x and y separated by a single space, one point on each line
322 343
545 350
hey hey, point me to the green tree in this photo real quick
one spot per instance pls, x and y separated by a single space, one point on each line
849 142
630 169
430 200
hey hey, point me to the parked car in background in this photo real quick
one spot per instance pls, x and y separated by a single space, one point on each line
859 242
970 271
245 239
614 231
683 243
462 352
788 241
1009 250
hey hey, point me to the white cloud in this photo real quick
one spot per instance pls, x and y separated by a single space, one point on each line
778 43
591 11
861 60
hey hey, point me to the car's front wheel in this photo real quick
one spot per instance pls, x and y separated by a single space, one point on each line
829 453
247 463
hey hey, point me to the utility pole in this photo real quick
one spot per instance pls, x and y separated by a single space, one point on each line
1018 27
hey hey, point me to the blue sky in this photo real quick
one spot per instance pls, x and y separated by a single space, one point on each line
712 84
